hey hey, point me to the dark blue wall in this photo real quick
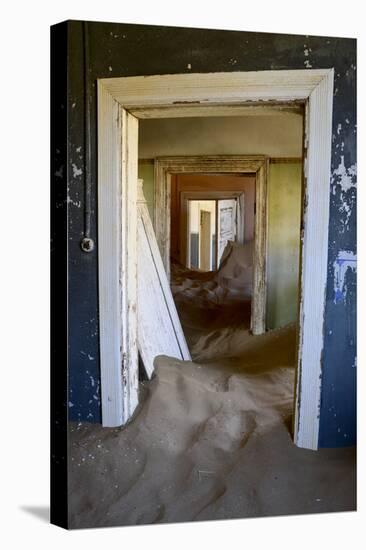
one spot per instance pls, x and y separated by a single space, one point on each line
126 50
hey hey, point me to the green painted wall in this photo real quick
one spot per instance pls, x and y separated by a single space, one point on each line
284 208
146 173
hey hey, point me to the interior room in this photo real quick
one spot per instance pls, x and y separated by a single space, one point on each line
212 219
203 422
202 169
236 393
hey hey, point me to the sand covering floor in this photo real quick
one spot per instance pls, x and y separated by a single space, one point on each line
211 438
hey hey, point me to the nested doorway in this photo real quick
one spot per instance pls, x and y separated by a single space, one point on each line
167 195
121 102
226 222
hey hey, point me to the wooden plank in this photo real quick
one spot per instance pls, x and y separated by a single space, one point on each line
159 328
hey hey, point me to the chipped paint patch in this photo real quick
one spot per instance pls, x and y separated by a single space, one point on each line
74 203
76 171
345 177
345 259
307 51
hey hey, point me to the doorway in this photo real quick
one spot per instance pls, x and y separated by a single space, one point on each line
220 221
180 177
119 107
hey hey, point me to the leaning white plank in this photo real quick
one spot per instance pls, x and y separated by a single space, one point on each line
159 328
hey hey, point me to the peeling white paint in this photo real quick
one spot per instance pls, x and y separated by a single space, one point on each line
110 69
76 171
345 259
307 64
347 210
189 66
74 203
78 149
347 175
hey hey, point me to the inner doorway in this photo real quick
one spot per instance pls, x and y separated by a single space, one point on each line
177 179
211 225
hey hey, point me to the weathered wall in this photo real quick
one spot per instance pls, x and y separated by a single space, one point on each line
284 210
126 50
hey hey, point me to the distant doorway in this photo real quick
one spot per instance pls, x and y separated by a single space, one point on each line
211 224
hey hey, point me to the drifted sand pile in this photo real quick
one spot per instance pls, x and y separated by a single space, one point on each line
211 438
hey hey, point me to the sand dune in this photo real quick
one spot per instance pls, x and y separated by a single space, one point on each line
211 438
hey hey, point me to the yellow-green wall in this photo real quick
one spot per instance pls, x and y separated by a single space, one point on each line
284 208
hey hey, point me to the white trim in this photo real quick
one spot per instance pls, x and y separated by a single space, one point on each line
235 88
117 260
318 128
156 95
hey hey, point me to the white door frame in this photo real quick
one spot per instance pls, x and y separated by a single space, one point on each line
219 164
121 102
